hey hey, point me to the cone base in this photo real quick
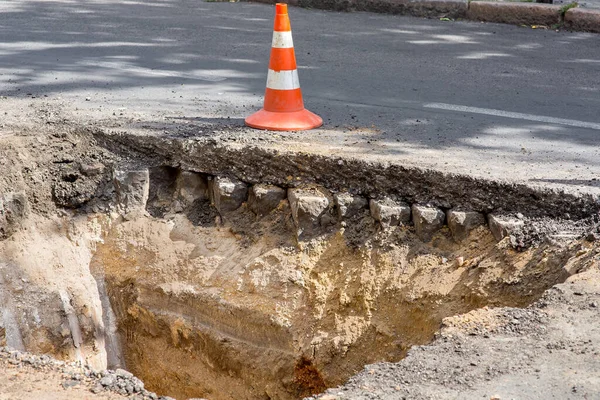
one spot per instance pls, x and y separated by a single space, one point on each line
284 121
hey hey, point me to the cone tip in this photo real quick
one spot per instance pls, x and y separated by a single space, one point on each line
281 8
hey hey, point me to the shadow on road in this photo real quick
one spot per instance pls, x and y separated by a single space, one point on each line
368 75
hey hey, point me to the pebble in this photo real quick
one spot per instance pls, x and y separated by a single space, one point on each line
97 389
70 383
121 373
107 381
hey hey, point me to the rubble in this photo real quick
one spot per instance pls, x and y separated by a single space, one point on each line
389 212
265 198
461 223
349 205
428 220
503 226
227 194
13 209
132 190
308 206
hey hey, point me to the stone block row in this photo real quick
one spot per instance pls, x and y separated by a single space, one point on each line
313 208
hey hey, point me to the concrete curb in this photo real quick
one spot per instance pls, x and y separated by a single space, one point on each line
415 8
576 19
580 19
515 13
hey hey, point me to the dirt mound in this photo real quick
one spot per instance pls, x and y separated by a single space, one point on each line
548 350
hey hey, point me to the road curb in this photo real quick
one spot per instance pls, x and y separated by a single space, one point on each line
580 19
577 19
515 13
415 8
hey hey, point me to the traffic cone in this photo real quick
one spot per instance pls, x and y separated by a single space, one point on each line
283 109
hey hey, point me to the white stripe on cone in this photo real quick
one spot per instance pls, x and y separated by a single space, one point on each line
282 40
283 80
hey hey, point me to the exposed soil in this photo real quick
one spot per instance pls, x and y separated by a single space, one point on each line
228 305
244 317
548 350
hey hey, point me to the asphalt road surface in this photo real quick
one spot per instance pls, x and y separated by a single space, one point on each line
494 101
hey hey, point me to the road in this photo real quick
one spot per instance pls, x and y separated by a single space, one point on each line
493 101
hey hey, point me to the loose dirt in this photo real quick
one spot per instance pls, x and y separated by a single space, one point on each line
548 350
229 305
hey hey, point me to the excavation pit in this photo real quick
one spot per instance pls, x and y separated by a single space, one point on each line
207 282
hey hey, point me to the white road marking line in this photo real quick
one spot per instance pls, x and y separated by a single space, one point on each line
514 115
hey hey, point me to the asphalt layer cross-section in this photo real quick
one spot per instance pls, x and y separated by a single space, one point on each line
493 101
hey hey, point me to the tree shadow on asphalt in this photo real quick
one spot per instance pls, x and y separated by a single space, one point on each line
60 46
367 74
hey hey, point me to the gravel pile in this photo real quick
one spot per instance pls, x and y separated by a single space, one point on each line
75 374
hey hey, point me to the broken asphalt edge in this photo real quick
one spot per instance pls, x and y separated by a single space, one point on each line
289 169
532 14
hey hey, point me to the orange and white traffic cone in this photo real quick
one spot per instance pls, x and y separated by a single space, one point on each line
283 109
